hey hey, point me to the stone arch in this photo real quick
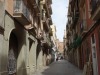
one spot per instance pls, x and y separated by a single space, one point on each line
8 33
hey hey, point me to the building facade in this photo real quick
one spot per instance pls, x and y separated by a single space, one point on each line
25 36
83 35
53 39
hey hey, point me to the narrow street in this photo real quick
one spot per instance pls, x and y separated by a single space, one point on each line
36 33
61 67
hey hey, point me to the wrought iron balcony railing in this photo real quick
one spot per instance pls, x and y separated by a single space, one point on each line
75 18
2 10
46 23
21 12
46 40
93 6
50 32
83 27
81 2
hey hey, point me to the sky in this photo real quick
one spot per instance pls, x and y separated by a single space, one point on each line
59 16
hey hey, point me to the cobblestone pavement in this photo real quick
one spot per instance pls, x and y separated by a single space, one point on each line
61 67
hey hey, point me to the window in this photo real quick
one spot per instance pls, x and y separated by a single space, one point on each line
87 55
94 52
43 14
89 7
99 37
93 39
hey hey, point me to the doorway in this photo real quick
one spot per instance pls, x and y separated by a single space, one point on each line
12 54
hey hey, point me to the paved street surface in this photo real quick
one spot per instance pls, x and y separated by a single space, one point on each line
61 67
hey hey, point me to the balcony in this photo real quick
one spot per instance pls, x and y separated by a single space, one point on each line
47 6
45 38
21 12
95 5
36 6
46 41
68 34
81 2
2 10
47 9
50 9
75 18
42 1
50 21
75 14
46 23
50 32
49 1
70 1
34 1
83 28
